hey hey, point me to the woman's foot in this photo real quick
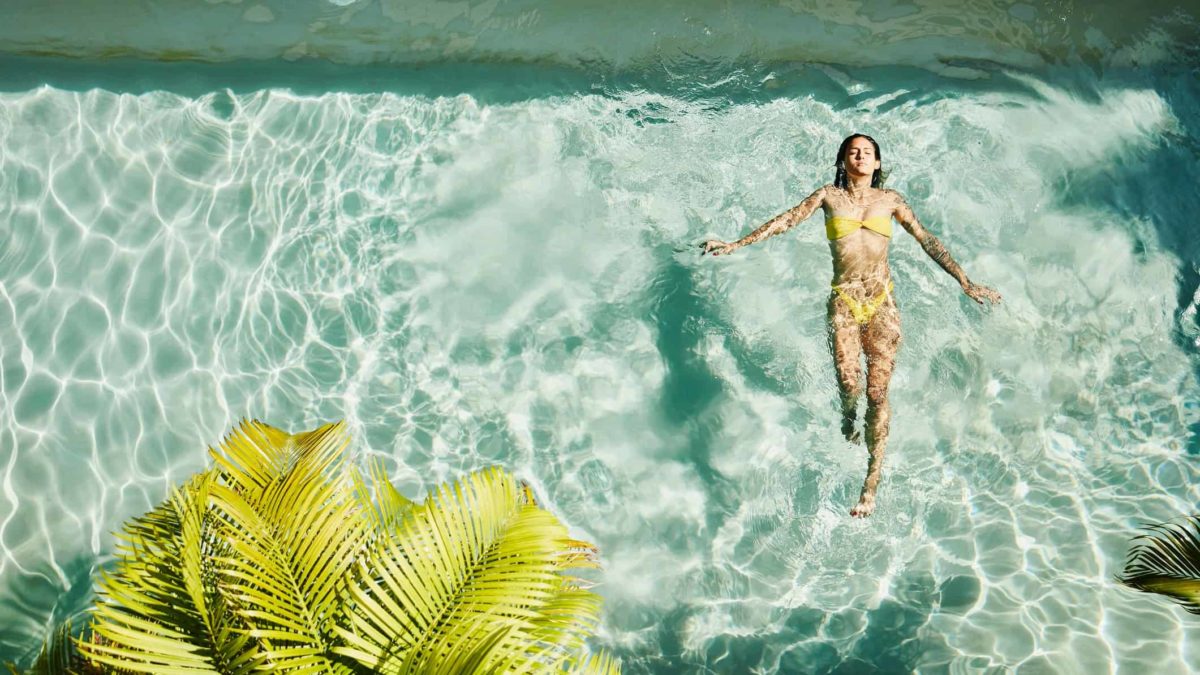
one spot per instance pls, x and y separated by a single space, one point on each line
865 505
848 430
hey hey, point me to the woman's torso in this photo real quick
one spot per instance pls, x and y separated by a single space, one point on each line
860 255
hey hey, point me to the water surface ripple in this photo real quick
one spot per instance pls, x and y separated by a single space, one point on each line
470 281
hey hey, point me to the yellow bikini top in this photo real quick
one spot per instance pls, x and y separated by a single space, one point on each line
837 227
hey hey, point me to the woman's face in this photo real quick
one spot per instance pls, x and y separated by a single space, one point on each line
860 159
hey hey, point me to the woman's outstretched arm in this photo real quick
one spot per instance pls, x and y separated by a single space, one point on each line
780 223
905 216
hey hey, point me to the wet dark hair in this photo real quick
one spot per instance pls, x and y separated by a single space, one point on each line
839 178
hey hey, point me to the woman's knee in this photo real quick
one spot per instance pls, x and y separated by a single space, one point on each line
877 394
849 384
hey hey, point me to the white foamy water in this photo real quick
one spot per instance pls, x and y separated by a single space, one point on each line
470 283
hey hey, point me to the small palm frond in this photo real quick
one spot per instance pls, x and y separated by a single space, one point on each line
293 532
241 569
58 656
253 456
257 457
1167 561
474 560
568 618
152 616
381 503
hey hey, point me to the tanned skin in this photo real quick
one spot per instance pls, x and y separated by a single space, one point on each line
860 269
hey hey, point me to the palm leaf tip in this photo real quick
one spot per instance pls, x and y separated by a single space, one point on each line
1166 561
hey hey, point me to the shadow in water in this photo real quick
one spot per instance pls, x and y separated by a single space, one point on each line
35 604
1158 186
690 389
691 392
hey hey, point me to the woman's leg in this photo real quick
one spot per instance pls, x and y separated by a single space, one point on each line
881 341
846 343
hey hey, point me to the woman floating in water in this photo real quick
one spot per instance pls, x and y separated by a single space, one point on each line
863 316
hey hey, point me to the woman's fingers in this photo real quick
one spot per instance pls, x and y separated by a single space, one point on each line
981 293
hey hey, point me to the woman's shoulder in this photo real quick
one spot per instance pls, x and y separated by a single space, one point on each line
820 196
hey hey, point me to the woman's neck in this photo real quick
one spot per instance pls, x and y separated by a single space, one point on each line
858 185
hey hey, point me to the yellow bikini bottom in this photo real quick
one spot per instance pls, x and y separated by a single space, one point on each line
863 311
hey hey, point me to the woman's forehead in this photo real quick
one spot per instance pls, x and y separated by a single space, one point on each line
860 142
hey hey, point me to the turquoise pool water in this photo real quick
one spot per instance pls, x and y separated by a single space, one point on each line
488 260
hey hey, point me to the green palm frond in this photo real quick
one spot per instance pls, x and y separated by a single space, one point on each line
474 660
57 656
280 558
254 456
257 547
598 663
256 459
293 531
567 618
381 503
477 558
1167 561
153 615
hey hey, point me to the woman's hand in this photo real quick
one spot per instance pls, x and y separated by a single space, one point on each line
979 293
718 247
